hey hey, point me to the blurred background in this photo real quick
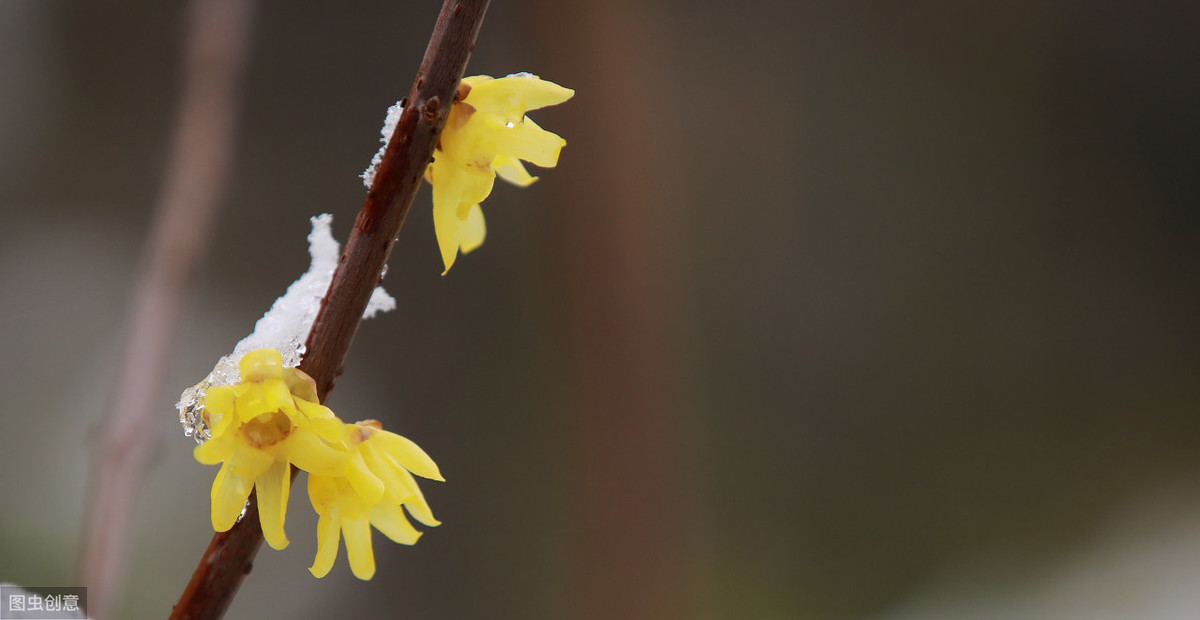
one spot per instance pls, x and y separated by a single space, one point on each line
830 310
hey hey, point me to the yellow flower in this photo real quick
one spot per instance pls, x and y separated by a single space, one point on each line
262 426
359 475
376 484
487 134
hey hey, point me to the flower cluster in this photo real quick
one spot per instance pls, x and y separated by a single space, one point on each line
359 474
487 134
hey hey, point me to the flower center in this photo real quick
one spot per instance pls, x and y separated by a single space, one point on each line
267 429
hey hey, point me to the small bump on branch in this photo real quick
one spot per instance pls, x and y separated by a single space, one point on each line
230 555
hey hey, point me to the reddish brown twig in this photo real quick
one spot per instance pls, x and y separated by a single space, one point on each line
228 557
396 182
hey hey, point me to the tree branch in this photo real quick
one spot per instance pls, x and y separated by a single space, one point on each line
230 555
195 175
396 181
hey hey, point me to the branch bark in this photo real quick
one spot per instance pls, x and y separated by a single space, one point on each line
230 555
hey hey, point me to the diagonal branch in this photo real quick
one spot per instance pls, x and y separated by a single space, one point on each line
230 554
396 181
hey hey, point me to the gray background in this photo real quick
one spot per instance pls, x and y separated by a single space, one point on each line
831 310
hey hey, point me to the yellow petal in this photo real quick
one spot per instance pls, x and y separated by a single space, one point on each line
277 397
358 547
228 497
221 424
219 404
454 137
408 454
473 230
219 399
396 489
321 420
368 486
251 402
328 536
323 493
530 142
214 450
305 449
261 365
476 187
416 505
512 96
315 411
512 170
475 80
300 384
447 191
389 519
248 461
535 92
273 486
329 429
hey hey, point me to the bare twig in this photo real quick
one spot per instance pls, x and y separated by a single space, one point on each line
392 192
195 176
228 557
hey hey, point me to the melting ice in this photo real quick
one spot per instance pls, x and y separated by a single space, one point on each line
284 327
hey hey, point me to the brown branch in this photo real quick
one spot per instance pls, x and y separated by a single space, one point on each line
230 554
202 146
624 369
396 182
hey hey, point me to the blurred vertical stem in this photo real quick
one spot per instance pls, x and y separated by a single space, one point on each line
230 554
217 39
619 249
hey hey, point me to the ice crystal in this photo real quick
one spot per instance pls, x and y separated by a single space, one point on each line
385 134
284 327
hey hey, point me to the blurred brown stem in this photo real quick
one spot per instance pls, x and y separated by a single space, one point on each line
230 554
195 176
624 376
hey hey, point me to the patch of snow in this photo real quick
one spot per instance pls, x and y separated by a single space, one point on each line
284 327
385 134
